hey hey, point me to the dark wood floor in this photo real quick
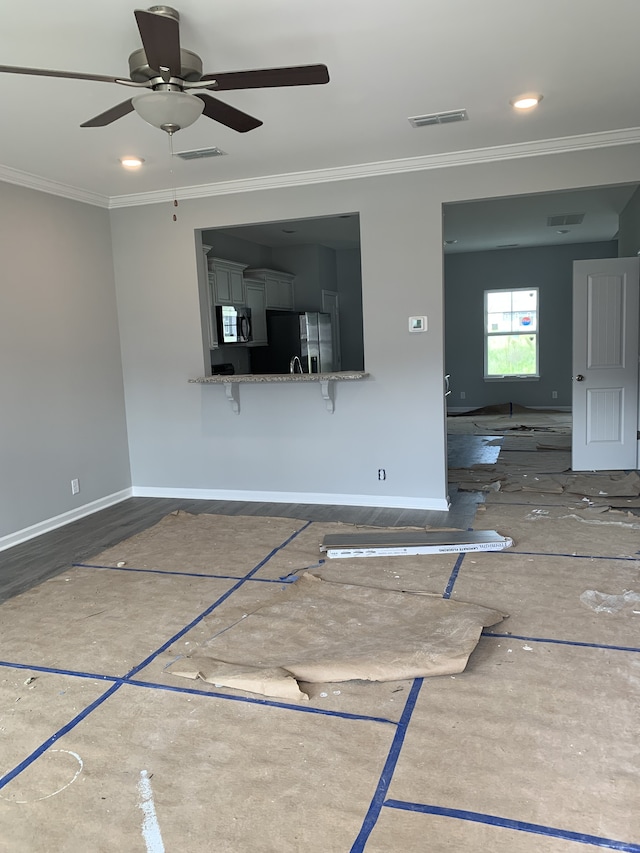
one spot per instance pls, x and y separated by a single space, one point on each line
29 563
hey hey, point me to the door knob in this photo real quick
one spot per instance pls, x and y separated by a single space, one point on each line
579 378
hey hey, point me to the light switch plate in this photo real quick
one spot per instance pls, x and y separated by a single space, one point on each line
418 324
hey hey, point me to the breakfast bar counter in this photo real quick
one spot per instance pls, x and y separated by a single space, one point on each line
232 382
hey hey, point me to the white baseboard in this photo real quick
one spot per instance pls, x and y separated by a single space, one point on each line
392 501
49 524
60 520
459 410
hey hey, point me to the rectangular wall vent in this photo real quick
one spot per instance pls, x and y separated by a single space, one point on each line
200 153
439 118
561 219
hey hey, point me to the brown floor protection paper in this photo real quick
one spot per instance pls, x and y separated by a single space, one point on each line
317 631
534 730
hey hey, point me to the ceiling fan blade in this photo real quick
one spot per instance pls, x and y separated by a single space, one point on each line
297 75
161 41
47 72
110 115
227 115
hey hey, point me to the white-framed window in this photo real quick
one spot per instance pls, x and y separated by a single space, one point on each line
511 333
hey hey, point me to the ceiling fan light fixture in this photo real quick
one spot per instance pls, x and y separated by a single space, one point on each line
526 102
131 162
168 111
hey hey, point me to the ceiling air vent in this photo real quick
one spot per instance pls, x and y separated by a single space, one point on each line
200 153
439 118
561 219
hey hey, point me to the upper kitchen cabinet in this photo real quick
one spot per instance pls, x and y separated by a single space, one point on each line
278 286
256 301
226 281
321 256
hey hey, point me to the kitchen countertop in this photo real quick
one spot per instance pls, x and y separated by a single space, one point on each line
338 375
231 382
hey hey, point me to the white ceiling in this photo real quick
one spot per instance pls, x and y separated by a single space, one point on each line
387 62
334 232
521 221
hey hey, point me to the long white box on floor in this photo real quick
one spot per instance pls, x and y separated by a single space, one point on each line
341 545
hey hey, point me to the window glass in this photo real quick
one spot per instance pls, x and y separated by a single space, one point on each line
511 326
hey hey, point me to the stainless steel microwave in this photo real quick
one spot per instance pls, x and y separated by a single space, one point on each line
233 324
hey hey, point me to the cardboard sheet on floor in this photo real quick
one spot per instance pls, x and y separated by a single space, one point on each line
513 419
565 530
538 461
605 485
566 499
317 631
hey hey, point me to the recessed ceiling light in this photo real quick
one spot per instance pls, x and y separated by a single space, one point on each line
131 162
562 231
450 242
526 102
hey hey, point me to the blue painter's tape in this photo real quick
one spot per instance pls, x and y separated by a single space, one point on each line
573 556
453 577
54 737
178 574
394 753
295 574
54 671
520 826
561 642
118 683
216 603
258 701
131 682
387 771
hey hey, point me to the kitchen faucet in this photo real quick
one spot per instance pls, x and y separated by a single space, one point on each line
295 365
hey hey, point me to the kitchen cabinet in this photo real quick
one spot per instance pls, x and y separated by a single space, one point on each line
226 282
279 287
256 300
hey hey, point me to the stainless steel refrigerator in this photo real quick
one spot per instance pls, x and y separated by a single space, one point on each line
298 343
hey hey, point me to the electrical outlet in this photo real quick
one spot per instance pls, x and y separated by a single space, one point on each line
462 395
554 395
75 486
382 474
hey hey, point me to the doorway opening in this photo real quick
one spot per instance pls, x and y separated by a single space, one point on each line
520 243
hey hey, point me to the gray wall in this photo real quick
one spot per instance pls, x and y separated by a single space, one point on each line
61 390
184 438
349 282
233 248
304 263
61 385
629 233
468 275
284 444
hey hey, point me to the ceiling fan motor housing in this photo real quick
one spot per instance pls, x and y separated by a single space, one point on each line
168 11
140 72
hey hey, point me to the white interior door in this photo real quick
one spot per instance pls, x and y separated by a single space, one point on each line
605 364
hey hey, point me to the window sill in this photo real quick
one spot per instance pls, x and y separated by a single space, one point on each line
511 378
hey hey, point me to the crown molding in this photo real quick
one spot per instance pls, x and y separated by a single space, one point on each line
565 144
587 141
44 185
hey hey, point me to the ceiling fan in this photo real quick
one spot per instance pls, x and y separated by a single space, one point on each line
170 73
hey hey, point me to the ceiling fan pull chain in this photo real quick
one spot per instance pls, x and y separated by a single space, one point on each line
173 183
